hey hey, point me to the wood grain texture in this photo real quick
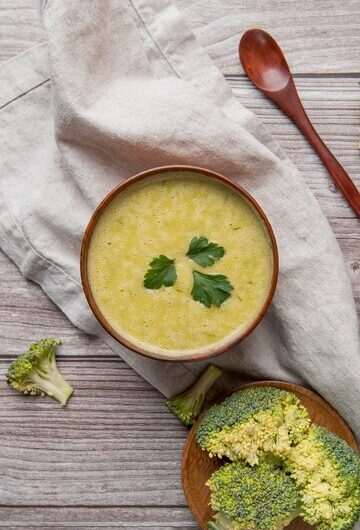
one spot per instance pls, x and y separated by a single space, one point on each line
84 518
333 106
317 36
27 314
115 444
197 467
101 463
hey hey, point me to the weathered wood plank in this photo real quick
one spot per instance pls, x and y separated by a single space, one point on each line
319 36
27 314
115 444
83 518
334 107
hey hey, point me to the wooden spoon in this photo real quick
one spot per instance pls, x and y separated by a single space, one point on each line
264 63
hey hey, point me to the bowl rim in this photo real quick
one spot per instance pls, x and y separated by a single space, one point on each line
190 357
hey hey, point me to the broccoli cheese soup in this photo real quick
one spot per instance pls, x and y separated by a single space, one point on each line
179 264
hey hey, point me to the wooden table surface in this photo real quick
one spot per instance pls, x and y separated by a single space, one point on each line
111 459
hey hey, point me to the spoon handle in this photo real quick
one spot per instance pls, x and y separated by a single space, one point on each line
292 106
335 169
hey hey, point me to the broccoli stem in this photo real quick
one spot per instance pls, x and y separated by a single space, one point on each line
50 381
187 406
221 522
201 387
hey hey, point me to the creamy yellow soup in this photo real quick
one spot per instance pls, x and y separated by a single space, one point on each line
161 216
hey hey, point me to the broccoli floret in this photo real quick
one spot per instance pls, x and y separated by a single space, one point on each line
327 473
254 422
252 498
35 372
187 406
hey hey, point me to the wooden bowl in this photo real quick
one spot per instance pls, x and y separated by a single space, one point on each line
197 467
208 351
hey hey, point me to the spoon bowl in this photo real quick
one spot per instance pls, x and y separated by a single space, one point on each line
263 60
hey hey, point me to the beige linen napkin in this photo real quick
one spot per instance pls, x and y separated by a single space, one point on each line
131 89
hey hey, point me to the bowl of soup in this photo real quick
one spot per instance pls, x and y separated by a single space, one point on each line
179 263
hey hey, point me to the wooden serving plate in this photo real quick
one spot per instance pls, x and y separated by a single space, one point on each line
197 466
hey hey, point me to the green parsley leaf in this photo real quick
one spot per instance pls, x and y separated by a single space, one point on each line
203 252
162 272
210 289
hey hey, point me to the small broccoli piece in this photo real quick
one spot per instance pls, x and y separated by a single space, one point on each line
35 372
327 473
187 406
252 423
252 498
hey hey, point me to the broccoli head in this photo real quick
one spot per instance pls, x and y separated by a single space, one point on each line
252 498
327 473
187 406
252 423
35 372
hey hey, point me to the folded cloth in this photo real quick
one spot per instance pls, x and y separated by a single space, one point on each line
131 89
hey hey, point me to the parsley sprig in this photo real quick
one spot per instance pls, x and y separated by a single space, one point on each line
208 289
162 272
203 252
